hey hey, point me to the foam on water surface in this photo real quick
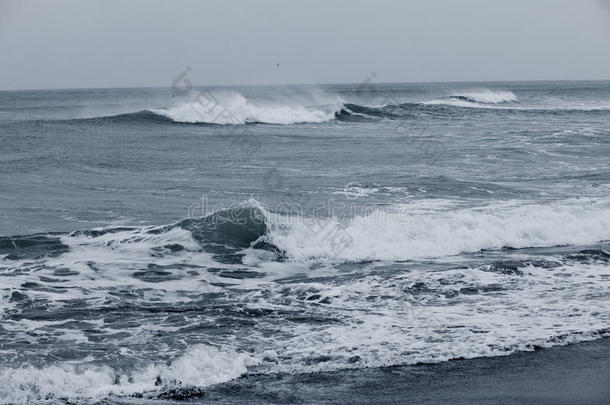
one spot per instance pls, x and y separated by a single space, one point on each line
471 220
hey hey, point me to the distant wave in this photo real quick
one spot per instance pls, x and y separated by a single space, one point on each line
444 105
142 116
476 98
189 114
232 108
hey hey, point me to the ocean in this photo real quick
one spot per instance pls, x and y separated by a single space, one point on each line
158 241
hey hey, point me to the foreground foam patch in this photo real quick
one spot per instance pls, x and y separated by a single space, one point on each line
200 366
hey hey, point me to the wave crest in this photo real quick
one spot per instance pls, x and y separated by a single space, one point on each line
410 233
424 229
476 98
232 108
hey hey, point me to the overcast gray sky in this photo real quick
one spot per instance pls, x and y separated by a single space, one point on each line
110 43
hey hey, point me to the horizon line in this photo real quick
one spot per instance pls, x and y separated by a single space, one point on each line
306 84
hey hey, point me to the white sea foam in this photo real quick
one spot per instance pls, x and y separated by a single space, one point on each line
225 108
408 232
199 366
425 316
109 260
373 319
488 96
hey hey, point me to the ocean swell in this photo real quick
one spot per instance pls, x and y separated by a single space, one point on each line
480 98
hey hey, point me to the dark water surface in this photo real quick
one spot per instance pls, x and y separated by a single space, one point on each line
155 242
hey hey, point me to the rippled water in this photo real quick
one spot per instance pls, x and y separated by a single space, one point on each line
157 241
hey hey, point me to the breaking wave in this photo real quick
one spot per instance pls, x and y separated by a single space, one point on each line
235 109
226 108
199 366
402 232
408 232
168 269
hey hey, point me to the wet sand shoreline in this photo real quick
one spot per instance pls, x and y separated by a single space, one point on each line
577 373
